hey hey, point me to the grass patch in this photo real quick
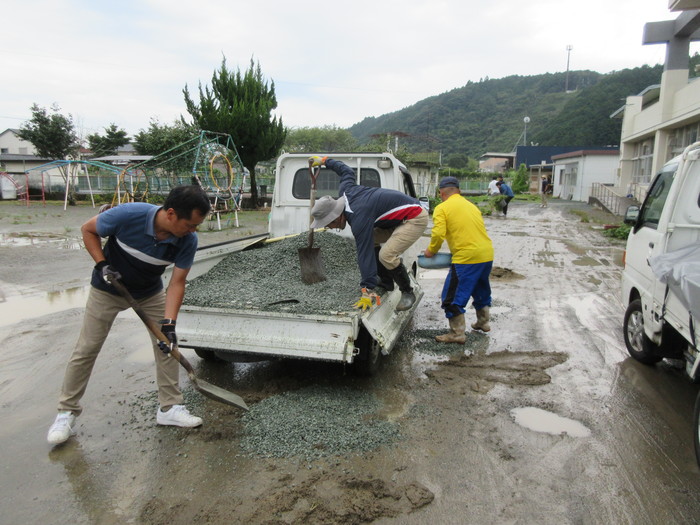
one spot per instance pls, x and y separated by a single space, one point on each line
621 232
582 215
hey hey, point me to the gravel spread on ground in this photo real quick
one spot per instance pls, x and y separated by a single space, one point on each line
316 421
268 278
423 341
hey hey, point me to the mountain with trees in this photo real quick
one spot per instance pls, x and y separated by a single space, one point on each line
489 115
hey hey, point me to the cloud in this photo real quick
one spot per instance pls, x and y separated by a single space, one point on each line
332 63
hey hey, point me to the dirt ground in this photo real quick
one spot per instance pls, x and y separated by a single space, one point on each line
543 420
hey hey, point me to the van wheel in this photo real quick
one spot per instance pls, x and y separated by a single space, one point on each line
696 429
367 362
638 344
208 355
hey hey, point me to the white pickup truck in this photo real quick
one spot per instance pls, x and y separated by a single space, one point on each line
661 276
350 336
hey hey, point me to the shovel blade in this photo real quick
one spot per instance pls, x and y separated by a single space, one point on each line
311 265
219 394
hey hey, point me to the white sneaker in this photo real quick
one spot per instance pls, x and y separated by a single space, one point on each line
178 416
62 428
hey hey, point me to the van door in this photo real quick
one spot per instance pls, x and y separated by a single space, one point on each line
649 239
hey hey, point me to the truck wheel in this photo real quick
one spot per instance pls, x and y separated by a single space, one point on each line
208 355
638 344
696 429
367 362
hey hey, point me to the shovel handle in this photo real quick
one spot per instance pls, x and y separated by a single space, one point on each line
312 198
153 327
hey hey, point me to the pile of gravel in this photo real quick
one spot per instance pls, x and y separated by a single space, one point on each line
316 422
269 278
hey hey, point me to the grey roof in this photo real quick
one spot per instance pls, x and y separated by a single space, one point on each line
18 157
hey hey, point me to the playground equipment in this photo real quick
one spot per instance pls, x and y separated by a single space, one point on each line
70 173
132 186
10 188
209 159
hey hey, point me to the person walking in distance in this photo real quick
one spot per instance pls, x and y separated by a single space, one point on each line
142 240
508 193
546 189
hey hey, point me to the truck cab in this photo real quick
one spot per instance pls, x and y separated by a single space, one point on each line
290 200
657 323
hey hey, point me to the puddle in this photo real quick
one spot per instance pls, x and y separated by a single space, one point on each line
38 238
22 307
540 420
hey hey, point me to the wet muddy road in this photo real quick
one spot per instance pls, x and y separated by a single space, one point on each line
544 420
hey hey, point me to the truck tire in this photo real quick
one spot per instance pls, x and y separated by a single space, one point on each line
208 355
367 362
696 429
638 344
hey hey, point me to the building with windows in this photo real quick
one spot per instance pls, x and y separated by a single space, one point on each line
659 122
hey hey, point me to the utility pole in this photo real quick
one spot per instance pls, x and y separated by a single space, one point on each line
568 55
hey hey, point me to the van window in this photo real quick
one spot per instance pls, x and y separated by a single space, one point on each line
656 197
328 181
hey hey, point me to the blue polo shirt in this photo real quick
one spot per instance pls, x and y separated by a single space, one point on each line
133 250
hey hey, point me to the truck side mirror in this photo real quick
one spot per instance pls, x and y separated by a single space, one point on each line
425 203
631 215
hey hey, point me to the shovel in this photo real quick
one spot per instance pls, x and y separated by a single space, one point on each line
207 389
310 258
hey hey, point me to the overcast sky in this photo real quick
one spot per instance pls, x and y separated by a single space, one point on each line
333 63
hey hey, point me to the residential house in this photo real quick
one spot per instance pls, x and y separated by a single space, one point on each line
576 172
540 161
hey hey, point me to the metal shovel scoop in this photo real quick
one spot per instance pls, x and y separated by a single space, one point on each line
310 260
214 392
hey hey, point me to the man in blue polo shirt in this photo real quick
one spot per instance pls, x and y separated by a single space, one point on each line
142 240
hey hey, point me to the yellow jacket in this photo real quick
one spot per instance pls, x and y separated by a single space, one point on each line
460 223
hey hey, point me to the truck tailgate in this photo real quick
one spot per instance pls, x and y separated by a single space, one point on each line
325 337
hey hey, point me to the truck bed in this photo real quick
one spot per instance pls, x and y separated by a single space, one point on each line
254 302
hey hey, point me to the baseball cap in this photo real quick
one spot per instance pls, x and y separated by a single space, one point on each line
449 182
326 210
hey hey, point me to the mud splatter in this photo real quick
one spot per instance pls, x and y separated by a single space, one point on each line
330 499
505 274
480 373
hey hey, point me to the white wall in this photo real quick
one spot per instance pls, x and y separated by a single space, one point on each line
590 168
15 145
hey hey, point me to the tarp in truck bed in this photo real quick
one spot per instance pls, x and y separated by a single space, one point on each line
680 270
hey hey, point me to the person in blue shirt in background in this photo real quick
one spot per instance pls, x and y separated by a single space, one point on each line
505 190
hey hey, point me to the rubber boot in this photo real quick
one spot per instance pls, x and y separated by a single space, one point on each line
386 281
457 331
482 320
400 276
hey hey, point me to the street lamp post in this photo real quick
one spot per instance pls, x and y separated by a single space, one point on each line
526 120
568 55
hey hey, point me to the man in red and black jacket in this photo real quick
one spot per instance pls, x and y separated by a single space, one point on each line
385 223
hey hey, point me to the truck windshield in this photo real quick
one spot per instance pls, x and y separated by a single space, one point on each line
656 197
327 182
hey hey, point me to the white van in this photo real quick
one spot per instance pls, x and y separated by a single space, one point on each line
661 275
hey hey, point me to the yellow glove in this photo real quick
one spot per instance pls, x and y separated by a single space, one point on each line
367 300
316 161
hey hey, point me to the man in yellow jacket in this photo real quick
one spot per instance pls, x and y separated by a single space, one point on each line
461 224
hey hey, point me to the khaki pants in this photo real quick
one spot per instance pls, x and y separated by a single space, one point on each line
399 239
100 311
